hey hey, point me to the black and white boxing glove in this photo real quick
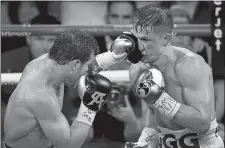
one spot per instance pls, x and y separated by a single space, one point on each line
133 53
150 86
124 46
93 91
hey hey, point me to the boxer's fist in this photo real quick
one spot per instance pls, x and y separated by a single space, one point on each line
136 69
127 44
124 46
149 85
93 90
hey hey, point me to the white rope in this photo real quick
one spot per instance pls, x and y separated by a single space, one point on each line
10 78
114 76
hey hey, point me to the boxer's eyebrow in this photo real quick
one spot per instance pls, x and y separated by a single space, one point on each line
144 38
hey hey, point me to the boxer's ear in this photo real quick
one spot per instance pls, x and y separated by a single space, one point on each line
75 64
166 39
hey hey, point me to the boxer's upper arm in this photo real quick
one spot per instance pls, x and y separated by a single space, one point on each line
194 77
52 121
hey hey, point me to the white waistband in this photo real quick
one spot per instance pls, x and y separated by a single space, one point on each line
164 131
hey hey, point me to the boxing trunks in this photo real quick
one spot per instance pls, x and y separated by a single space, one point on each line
186 138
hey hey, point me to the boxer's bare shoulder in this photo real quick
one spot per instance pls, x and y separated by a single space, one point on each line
185 80
29 98
190 67
19 117
195 78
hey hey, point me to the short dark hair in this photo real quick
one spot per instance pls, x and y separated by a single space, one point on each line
153 16
73 44
109 3
45 19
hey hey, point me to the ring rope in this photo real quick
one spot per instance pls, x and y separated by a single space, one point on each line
114 76
179 29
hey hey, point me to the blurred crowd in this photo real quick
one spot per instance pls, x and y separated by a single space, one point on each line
123 117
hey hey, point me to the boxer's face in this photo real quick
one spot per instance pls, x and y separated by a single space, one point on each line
77 70
120 13
150 43
40 45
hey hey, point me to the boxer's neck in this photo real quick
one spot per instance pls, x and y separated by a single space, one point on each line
166 56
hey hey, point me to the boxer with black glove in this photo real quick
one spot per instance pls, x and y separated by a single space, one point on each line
93 90
124 46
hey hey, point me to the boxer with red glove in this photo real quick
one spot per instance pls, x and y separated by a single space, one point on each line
93 90
124 47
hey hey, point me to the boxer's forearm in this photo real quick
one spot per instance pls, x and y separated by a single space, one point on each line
79 134
185 115
70 136
192 118
79 130
103 61
107 59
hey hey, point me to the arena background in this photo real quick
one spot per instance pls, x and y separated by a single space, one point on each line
17 16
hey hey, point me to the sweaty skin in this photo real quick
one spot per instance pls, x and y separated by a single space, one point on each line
33 116
188 80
